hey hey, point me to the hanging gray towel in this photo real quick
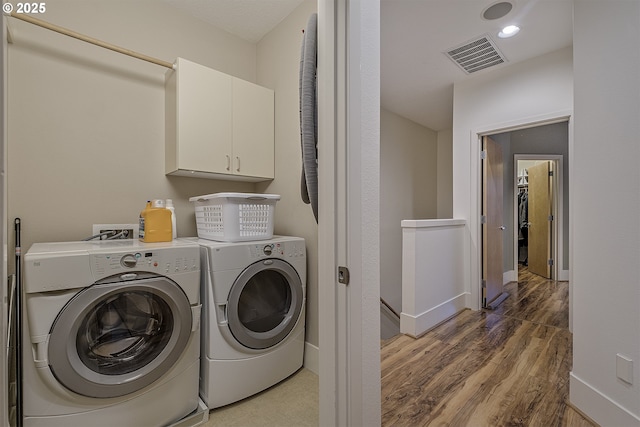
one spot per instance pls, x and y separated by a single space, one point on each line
309 116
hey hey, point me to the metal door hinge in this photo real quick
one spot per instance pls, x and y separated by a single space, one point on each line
343 275
550 173
483 219
484 284
483 154
550 262
550 218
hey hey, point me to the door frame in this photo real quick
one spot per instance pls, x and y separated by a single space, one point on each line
348 211
474 261
557 244
4 373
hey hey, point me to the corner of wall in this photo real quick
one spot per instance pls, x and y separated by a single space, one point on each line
445 174
312 358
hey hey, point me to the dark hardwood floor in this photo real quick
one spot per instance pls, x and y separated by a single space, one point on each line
506 367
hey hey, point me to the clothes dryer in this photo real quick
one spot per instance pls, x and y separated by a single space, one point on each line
253 317
111 333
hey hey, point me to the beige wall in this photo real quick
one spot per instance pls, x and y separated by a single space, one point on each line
408 190
445 174
278 64
86 125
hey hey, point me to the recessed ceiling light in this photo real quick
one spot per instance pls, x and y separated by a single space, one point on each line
497 10
509 31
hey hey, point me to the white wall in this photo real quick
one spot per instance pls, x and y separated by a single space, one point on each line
432 274
86 125
408 190
278 63
606 206
527 92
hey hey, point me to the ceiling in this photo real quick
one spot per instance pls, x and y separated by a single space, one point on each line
247 19
416 76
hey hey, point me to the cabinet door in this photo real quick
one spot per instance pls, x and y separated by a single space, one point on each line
253 130
204 126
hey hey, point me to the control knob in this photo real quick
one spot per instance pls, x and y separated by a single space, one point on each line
128 261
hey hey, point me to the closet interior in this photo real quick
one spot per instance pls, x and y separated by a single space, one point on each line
523 216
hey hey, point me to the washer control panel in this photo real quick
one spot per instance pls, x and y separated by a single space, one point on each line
158 261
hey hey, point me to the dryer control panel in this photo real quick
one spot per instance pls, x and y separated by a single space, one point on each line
282 250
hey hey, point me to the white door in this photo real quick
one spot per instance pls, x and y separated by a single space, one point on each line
348 221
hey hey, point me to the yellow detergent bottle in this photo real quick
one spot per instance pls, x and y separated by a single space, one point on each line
155 223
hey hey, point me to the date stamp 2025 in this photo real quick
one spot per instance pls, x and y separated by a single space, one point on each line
24 7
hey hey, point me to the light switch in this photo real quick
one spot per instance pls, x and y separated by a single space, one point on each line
624 368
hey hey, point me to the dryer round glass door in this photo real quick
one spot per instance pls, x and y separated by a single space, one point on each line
113 339
265 303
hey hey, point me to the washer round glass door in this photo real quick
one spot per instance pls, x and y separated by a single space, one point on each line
265 303
116 338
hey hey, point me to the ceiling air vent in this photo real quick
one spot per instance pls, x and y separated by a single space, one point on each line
476 55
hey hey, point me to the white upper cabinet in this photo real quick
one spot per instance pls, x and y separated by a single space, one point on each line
217 126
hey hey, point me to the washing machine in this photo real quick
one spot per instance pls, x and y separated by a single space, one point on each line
111 333
253 316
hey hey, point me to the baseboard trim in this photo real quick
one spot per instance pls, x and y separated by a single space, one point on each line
575 408
509 276
597 406
311 358
563 275
415 326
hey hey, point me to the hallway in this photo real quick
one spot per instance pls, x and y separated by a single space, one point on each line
507 367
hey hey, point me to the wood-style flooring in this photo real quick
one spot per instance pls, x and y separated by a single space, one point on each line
507 367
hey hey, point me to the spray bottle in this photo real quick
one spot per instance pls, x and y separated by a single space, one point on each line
169 205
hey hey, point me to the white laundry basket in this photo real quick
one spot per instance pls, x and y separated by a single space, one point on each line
235 217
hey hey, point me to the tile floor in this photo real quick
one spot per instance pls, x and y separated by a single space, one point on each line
292 402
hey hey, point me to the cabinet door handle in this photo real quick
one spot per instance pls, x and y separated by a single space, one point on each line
228 162
238 160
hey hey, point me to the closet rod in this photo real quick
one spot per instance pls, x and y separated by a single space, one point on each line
88 39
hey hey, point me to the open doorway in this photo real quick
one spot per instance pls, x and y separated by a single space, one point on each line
548 144
538 222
